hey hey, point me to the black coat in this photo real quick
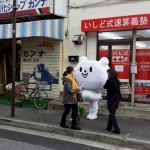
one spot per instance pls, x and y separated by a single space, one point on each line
113 93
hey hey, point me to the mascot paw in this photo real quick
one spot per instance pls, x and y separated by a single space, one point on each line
88 116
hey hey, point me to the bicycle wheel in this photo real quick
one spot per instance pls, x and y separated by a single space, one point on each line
40 99
20 90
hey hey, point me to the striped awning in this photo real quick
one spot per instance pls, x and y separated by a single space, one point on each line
46 28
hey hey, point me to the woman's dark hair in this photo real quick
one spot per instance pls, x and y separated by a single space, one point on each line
69 69
112 73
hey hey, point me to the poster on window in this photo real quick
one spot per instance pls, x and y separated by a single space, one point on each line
120 61
142 83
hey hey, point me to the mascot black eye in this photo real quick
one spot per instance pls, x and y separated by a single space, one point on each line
80 69
90 69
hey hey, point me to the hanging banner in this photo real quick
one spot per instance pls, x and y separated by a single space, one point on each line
116 23
143 72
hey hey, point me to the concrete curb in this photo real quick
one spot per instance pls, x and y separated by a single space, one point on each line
82 134
129 112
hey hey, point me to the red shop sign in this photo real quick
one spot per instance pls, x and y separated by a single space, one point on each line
116 23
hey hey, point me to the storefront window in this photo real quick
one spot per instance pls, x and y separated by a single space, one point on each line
121 61
115 46
142 78
114 35
103 51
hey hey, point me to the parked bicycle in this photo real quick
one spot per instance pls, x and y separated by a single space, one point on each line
37 94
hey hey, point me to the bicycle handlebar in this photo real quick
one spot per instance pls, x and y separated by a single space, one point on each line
33 75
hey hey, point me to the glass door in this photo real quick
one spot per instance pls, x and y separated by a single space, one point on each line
119 56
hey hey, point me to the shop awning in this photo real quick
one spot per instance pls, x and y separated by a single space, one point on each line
45 28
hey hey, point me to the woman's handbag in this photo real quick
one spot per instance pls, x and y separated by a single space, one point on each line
79 97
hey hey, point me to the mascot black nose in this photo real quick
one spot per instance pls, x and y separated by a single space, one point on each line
85 71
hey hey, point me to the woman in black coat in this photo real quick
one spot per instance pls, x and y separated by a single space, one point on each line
113 97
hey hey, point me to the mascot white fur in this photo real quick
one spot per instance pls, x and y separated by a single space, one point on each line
91 76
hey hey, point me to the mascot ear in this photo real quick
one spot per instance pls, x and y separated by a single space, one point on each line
83 59
104 61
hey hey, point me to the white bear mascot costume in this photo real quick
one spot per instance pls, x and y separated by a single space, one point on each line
91 76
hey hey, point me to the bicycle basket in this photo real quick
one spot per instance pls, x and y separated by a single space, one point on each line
41 84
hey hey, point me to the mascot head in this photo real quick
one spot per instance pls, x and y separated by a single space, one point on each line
91 75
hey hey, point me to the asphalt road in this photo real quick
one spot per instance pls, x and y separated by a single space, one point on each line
12 140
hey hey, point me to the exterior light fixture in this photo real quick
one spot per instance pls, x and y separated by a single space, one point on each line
77 39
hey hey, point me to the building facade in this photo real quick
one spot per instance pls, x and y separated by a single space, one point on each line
118 30
39 40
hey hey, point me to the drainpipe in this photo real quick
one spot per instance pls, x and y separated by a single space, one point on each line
86 44
133 62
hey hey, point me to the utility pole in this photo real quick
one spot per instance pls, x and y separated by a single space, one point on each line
133 74
13 60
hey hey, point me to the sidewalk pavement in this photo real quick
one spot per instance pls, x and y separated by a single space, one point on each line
135 133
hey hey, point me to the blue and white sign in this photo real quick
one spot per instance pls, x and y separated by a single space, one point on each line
25 7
